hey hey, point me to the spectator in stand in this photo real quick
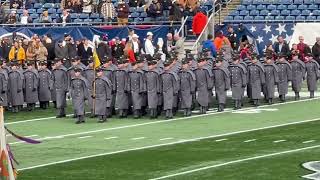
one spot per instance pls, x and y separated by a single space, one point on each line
65 17
148 45
167 45
227 51
155 10
103 48
136 3
123 13
41 51
166 4
219 40
117 48
84 50
87 6
29 4
16 4
128 52
281 46
208 44
303 48
175 12
17 53
12 18
25 44
45 18
75 5
49 44
130 34
61 51
5 47
270 52
199 22
108 10
244 50
179 46
25 18
316 50
2 14
136 45
232 36
31 52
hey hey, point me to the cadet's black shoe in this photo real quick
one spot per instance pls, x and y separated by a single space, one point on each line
270 101
78 122
312 94
220 108
189 112
61 116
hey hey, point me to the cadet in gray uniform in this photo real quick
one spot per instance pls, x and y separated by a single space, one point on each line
154 87
285 75
53 90
102 95
31 84
238 81
221 81
187 86
61 84
45 84
313 74
204 83
298 74
3 86
256 80
170 87
272 79
79 93
121 87
88 73
15 87
137 87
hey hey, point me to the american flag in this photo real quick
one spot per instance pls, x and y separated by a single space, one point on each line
263 34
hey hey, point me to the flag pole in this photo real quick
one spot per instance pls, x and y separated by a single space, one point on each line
94 86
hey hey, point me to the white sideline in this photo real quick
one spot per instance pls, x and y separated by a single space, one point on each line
166 144
250 140
156 122
279 141
226 110
236 161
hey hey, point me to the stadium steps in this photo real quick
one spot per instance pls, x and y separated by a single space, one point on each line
188 43
226 10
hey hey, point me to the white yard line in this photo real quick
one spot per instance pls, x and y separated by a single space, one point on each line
164 139
138 138
113 137
306 142
236 161
219 140
84 137
250 140
31 136
279 141
201 115
171 143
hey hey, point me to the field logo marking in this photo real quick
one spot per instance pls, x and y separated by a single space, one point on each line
255 111
312 166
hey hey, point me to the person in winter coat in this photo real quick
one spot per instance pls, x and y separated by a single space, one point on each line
108 10
272 79
285 75
31 84
221 81
208 44
15 87
256 80
123 13
45 85
3 85
199 22
155 10
316 50
313 73
298 74
17 53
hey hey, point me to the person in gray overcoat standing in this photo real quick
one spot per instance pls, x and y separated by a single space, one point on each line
31 78
15 87
45 85
256 80
79 93
285 75
3 86
88 73
313 74
221 81
298 74
61 83
272 79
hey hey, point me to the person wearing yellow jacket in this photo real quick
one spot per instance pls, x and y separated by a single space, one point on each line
17 53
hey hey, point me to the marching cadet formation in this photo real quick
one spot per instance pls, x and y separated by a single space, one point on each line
151 86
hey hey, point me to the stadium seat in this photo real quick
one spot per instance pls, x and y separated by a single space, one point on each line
316 1
318 17
241 7
32 11
311 18
264 12
97 20
298 2
292 7
143 15
302 7
74 16
132 9
306 12
300 18
140 9
259 18
83 16
287 2
228 18
251 7
234 13
78 20
19 11
269 18
247 2
87 20
244 13
36 20
134 15
48 5
39 11
261 7
276 2
313 7
238 18
285 12
271 7
248 18
290 18
37 6
275 12
34 16
279 18
281 7
257 2
51 11
59 11
308 2
147 19
254 13
267 2
94 16
57 6
316 12
295 12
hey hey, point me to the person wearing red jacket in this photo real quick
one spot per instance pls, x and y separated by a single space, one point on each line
199 22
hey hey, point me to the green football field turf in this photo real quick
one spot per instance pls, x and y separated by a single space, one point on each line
269 142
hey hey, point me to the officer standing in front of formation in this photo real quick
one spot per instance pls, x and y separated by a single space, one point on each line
137 87
187 86
272 79
79 93
15 87
45 85
221 81
285 75
313 73
3 85
102 96
88 73
204 83
170 87
298 74
31 84
121 87
256 78
238 81
61 84
154 87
